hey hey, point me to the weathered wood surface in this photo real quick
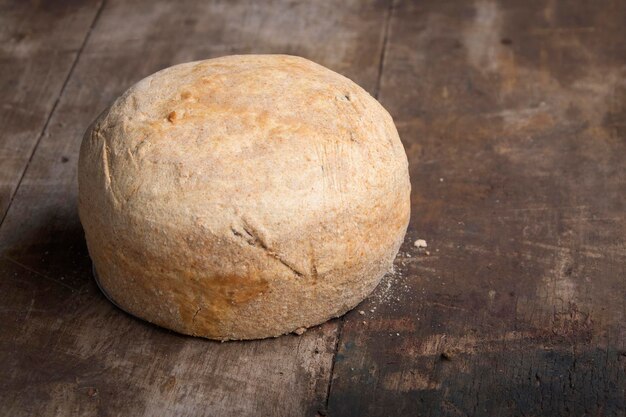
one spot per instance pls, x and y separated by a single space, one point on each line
39 45
65 350
513 116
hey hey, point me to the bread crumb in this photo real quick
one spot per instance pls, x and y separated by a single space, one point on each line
300 330
420 243
361 312
364 322
440 179
427 253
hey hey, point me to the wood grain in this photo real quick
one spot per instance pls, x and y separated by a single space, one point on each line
65 349
512 114
38 48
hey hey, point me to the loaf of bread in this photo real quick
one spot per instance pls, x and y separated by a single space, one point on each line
243 197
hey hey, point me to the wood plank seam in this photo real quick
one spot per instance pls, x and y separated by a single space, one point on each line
334 359
381 66
52 110
381 61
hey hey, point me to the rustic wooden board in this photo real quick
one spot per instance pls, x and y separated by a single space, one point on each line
39 46
65 350
513 115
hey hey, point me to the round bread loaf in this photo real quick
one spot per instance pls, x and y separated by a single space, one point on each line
243 197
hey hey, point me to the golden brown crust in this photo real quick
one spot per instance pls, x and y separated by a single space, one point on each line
243 197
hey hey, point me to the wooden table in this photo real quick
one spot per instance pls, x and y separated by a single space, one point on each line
513 115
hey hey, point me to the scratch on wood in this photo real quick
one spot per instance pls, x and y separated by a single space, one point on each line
547 246
13 261
434 303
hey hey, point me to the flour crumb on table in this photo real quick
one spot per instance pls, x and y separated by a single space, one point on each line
300 330
420 243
